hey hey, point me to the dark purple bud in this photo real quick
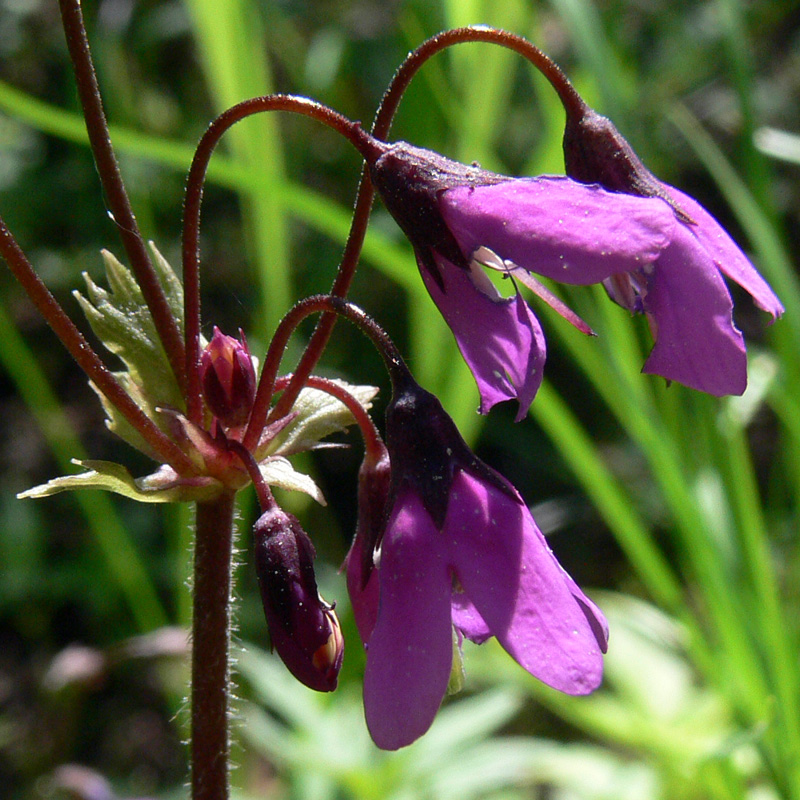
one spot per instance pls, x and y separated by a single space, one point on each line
229 379
596 152
303 628
409 180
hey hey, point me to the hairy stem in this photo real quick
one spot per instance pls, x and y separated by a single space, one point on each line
265 497
211 632
193 201
573 103
114 189
85 357
369 432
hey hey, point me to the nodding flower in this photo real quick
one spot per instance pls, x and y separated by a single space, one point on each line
458 549
610 221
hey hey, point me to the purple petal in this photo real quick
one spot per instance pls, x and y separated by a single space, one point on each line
568 231
726 254
595 617
518 587
696 341
410 651
467 621
500 338
363 598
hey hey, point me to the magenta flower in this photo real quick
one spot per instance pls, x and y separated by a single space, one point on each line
656 251
460 548
650 258
500 338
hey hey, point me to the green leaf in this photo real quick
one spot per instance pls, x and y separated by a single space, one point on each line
121 320
319 414
159 487
278 471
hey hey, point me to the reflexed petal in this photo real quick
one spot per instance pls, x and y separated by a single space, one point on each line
411 648
500 338
518 587
568 231
726 254
696 341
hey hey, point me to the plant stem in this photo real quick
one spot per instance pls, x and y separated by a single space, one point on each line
372 438
573 105
114 189
211 631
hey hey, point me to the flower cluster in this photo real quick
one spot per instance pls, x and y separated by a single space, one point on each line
657 252
446 549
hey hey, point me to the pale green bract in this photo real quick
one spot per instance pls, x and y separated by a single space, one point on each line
120 319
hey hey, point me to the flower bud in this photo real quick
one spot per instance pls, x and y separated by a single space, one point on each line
228 377
303 628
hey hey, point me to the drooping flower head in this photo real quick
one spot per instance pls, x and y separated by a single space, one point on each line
500 338
610 221
684 296
461 549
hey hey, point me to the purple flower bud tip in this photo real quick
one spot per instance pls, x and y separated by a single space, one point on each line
303 628
228 378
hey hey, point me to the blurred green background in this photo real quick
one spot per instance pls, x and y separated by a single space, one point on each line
677 511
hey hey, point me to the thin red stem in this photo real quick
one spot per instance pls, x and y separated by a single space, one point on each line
193 201
573 103
311 305
114 188
265 497
85 357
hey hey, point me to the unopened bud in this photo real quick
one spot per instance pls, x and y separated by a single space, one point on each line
303 628
229 379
